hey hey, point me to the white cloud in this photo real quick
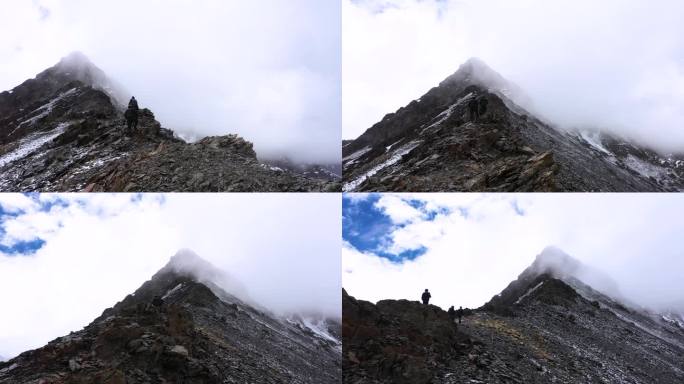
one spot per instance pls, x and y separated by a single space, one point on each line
397 209
634 238
284 248
618 64
268 70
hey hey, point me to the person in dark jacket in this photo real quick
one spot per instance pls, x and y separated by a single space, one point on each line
157 301
452 314
482 106
426 297
131 114
473 109
133 103
459 314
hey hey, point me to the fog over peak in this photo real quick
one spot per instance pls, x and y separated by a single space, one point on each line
616 65
204 68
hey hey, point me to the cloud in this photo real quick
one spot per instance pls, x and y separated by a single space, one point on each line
478 243
268 70
283 248
617 65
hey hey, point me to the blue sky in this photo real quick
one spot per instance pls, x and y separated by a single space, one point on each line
10 247
28 243
368 227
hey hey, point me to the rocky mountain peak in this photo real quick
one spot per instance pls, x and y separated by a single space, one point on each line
65 130
76 61
76 66
540 329
177 329
554 261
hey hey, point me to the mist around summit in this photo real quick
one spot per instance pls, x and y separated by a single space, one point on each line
617 66
210 68
69 257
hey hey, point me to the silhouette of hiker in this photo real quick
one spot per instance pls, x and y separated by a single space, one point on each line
459 313
131 115
452 314
426 297
473 109
482 106
157 301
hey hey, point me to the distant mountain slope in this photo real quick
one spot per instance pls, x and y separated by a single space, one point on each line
65 131
545 327
434 144
198 333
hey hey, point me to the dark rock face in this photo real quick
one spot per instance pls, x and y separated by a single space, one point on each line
65 131
540 329
436 143
198 334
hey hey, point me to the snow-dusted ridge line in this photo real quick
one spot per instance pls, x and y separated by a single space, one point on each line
594 139
172 291
46 108
357 154
529 291
32 143
445 114
396 156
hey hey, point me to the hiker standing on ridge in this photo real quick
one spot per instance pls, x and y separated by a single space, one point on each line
459 313
426 297
131 115
452 314
473 109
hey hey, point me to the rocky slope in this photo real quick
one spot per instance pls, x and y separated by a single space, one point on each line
546 327
434 144
197 333
64 131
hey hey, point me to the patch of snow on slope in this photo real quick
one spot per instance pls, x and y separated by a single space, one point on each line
46 108
351 158
272 168
391 145
670 319
172 291
643 168
528 292
320 329
396 156
31 143
594 139
447 112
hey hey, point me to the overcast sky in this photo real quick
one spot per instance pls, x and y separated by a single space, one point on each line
268 70
467 248
616 64
66 258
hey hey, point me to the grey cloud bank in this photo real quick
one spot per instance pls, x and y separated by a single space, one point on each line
268 70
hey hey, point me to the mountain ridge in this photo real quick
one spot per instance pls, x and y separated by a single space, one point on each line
177 329
546 326
64 130
435 143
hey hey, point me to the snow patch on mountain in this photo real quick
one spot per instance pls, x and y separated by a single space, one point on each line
396 156
594 139
45 109
529 292
31 143
351 158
